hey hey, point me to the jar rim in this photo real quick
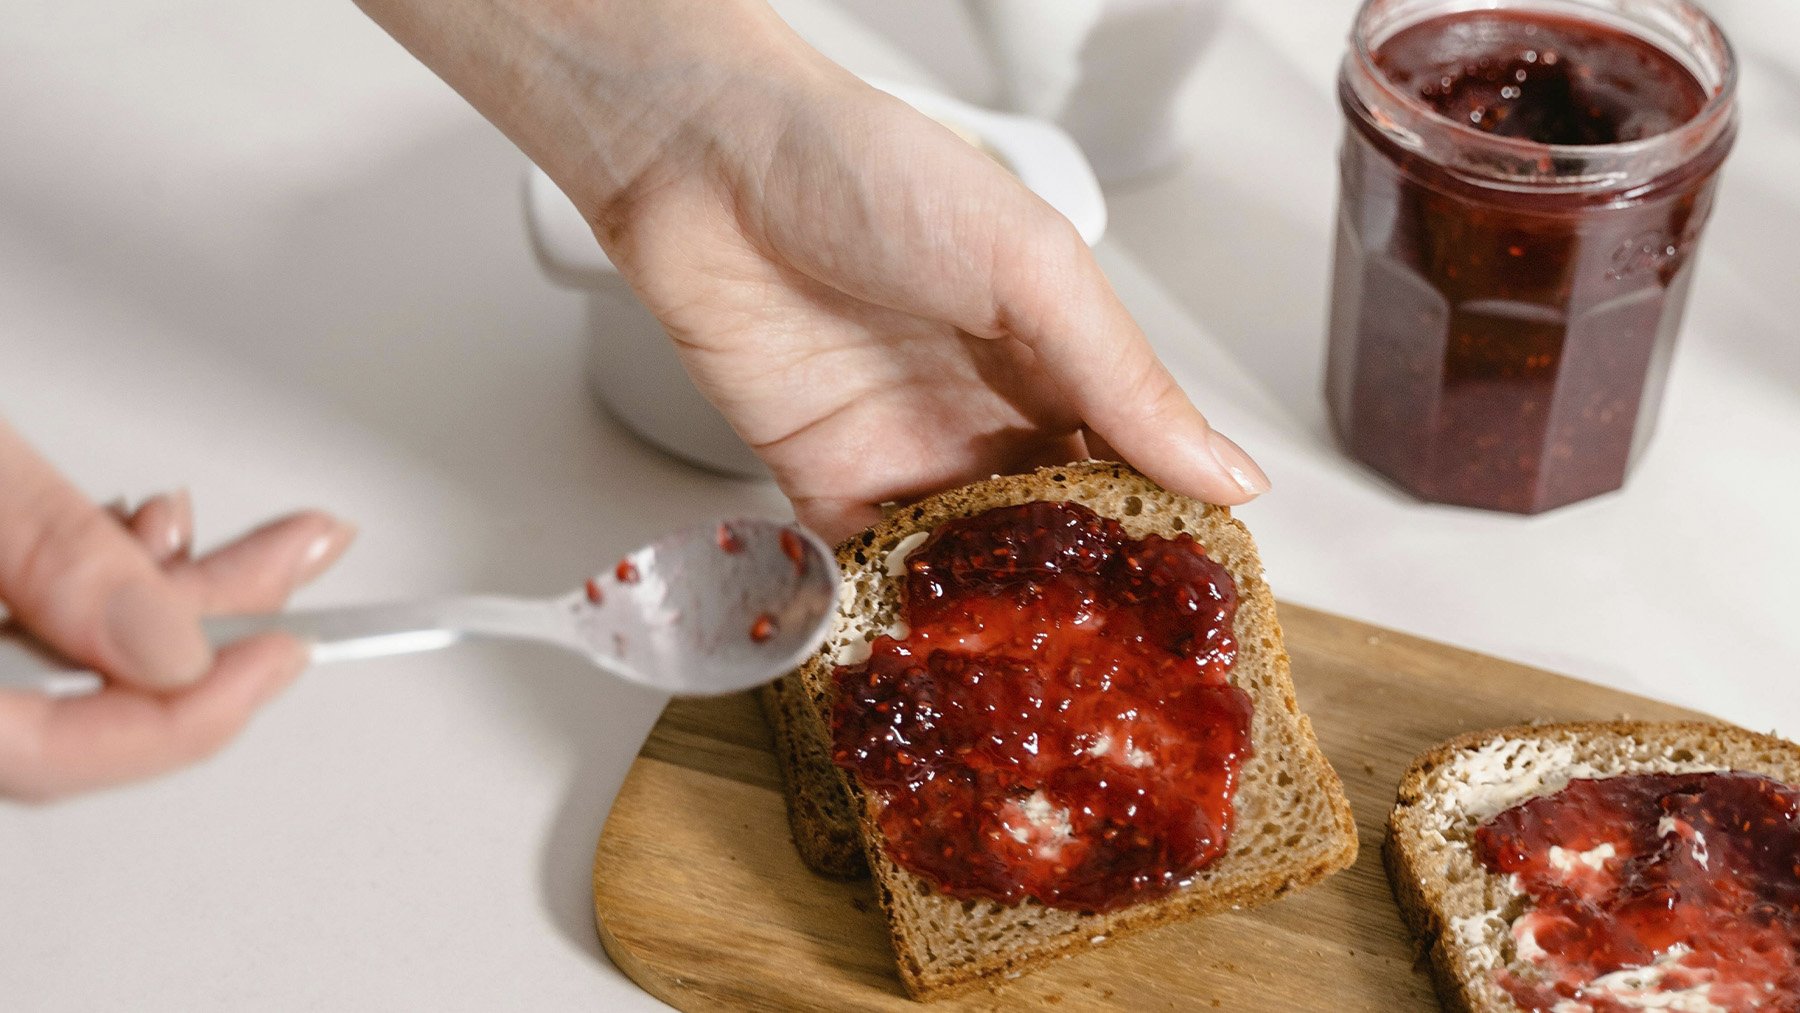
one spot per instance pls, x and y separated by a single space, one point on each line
1714 115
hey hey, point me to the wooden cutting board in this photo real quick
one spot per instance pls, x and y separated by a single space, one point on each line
702 900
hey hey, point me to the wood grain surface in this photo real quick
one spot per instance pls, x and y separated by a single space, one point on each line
701 899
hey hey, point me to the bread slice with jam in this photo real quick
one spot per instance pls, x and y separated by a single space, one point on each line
1292 824
1468 918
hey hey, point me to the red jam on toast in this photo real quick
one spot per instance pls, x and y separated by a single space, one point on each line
1654 884
1057 720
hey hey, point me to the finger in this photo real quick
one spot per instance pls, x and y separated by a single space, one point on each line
1053 452
1052 295
164 526
835 519
257 572
50 748
78 580
1097 447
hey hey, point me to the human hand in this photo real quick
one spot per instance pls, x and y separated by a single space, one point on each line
879 309
119 592
882 311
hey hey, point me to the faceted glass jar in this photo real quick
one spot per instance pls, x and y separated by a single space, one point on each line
1503 310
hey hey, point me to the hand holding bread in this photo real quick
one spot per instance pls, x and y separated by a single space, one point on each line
878 308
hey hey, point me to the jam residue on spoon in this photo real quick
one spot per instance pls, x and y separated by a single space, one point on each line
728 540
1652 884
1057 722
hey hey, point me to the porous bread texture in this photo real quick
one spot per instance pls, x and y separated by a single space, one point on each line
1461 913
1293 825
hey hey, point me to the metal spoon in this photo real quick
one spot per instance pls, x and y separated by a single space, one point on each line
705 610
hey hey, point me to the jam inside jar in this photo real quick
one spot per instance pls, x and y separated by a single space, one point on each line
1522 190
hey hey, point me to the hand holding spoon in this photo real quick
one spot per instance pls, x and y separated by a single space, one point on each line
706 610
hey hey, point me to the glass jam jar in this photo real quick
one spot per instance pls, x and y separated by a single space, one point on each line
1523 185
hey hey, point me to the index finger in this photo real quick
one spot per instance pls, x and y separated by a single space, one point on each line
1050 293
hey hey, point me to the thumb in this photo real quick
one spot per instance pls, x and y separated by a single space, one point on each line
82 584
1051 294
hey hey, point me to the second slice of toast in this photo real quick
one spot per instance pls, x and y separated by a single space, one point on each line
1462 913
1293 824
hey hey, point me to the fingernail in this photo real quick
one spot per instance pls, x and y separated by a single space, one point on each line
181 537
324 550
1237 464
164 525
154 638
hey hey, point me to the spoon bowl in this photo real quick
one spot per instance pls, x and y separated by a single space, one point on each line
709 610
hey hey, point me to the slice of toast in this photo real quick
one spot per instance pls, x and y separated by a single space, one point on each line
1460 912
1293 823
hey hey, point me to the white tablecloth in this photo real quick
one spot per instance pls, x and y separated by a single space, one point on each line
255 249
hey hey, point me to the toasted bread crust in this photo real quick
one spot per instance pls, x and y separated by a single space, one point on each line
1416 866
1328 847
819 817
1430 928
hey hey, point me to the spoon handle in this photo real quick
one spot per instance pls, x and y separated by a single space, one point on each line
26 664
333 634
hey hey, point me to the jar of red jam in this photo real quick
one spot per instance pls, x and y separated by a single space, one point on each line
1523 185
